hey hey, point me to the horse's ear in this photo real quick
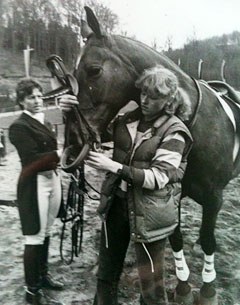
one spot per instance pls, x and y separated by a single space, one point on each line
93 22
86 31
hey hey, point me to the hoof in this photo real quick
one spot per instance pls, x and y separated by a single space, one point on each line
208 295
183 294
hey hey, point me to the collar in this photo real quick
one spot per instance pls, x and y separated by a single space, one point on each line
38 116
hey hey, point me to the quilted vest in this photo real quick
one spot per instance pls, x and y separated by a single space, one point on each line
153 214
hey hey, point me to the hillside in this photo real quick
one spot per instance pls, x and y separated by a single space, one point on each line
219 57
12 70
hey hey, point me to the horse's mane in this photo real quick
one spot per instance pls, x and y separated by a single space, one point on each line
140 58
139 54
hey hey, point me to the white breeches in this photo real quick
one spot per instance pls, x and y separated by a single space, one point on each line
49 200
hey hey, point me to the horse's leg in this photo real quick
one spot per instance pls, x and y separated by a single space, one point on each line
211 207
176 241
183 294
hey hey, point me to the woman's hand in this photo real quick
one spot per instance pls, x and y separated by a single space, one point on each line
100 161
67 101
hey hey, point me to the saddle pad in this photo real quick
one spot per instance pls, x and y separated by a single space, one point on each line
230 115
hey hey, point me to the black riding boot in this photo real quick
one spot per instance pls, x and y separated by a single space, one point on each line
106 293
47 280
40 298
34 294
31 266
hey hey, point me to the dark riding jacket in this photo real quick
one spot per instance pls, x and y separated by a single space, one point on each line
37 148
153 214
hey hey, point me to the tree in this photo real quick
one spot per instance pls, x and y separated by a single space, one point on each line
105 16
169 43
212 51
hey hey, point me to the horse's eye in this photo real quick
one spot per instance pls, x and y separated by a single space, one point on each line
94 71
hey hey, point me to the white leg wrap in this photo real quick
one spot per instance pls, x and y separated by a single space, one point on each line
208 272
182 270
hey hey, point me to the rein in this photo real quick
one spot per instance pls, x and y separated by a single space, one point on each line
74 216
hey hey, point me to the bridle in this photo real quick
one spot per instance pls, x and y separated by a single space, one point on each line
74 206
68 84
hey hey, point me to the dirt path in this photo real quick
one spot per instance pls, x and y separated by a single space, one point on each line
80 275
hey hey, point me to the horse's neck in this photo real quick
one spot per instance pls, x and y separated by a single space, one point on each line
142 56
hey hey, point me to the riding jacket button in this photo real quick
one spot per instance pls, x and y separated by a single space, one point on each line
131 213
133 234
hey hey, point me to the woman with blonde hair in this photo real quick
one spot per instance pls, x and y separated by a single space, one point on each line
141 192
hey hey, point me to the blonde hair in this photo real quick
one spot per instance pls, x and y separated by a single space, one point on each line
159 81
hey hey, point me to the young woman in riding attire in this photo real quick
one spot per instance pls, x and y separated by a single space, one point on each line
141 193
39 189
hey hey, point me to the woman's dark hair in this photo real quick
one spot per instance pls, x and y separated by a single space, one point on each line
24 88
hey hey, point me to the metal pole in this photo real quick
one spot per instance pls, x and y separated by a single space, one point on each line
26 55
223 70
200 68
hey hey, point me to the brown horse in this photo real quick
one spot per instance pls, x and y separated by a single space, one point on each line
106 72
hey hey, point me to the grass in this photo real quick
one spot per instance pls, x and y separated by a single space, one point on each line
12 70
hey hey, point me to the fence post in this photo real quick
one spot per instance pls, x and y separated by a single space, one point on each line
2 146
200 68
223 70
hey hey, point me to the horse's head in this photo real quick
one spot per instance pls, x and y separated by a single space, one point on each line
106 81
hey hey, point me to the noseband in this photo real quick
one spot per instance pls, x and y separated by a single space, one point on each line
88 138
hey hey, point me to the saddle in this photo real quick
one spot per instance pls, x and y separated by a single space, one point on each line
225 90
